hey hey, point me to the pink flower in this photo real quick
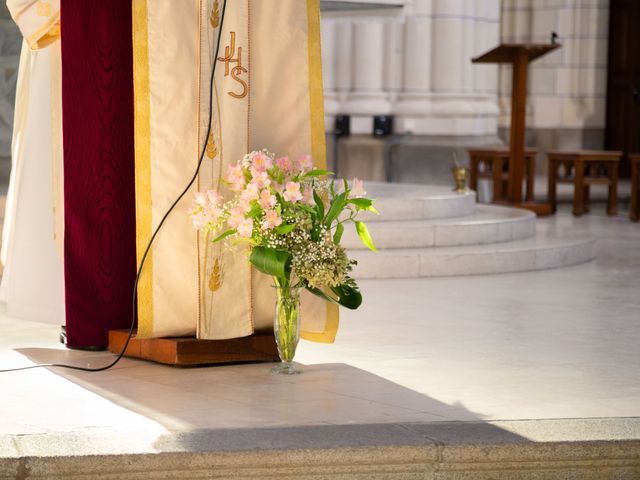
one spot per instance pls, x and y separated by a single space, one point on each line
357 188
236 216
200 200
261 162
305 164
245 228
267 200
244 205
292 192
213 197
199 220
284 164
203 216
250 192
205 209
235 176
277 187
271 220
213 213
261 179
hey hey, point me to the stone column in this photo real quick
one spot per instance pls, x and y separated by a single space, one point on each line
448 46
344 59
329 31
469 23
487 36
393 58
485 81
368 97
415 99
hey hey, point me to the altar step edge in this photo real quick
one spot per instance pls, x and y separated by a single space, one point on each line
488 224
397 202
534 449
541 252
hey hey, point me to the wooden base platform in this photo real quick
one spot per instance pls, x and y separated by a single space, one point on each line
190 352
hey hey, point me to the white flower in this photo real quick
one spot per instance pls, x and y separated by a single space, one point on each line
357 188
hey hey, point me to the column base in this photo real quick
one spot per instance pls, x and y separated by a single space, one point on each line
458 115
368 103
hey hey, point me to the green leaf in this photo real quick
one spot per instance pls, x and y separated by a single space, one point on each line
249 242
318 173
337 205
349 296
365 237
271 261
285 228
337 236
306 208
319 204
255 211
224 235
363 204
319 293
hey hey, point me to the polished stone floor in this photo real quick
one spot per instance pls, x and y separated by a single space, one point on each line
541 345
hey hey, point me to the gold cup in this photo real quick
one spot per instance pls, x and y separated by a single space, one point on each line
460 175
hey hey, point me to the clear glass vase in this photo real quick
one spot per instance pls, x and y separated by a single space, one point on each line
286 327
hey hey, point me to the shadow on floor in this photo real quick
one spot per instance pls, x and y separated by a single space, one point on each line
333 404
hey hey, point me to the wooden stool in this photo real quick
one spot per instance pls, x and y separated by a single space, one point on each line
496 167
634 210
583 169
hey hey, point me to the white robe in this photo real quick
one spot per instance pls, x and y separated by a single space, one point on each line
33 279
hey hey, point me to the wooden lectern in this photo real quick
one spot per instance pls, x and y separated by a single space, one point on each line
519 55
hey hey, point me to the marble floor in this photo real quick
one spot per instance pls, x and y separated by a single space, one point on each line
541 345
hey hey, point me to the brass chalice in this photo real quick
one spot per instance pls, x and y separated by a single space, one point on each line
460 175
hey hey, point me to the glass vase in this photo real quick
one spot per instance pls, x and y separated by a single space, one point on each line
286 327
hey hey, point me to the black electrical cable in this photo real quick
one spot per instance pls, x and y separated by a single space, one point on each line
155 233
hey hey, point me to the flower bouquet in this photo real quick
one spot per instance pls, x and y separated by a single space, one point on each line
293 220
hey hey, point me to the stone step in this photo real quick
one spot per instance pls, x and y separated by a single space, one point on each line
397 202
488 224
537 253
563 449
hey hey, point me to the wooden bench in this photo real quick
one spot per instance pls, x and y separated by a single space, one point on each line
493 164
634 210
583 169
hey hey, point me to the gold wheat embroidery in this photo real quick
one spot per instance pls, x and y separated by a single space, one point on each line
214 18
44 8
212 150
215 281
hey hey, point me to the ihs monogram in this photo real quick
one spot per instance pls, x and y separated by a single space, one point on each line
238 70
